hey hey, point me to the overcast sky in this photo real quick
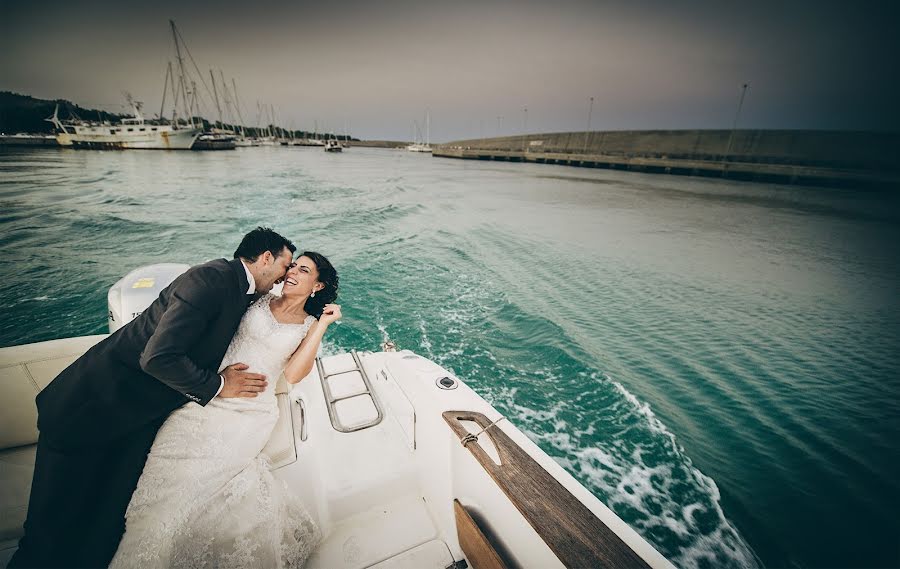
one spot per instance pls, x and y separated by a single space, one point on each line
378 65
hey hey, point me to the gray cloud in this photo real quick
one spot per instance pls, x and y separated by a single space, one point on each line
379 65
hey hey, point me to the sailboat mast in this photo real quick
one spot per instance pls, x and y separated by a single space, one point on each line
229 112
216 95
194 107
162 107
237 106
181 68
274 126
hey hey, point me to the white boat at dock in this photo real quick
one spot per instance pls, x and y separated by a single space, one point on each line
215 141
132 132
399 462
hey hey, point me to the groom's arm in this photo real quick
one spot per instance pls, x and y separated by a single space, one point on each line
192 306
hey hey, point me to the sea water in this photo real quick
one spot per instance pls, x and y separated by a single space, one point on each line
715 360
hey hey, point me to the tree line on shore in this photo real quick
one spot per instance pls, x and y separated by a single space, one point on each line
23 113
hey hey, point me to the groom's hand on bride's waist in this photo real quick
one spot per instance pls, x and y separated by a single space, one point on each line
237 382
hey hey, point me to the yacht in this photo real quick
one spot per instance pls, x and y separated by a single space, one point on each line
401 464
132 132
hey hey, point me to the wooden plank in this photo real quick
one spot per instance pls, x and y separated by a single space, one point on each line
479 552
568 527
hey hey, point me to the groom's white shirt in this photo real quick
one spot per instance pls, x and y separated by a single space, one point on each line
251 289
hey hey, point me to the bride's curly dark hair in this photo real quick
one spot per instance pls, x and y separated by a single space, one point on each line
328 277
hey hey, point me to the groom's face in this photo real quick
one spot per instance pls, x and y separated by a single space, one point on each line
273 270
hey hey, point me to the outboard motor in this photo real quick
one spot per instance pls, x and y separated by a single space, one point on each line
137 290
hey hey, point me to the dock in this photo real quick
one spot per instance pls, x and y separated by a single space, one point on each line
28 140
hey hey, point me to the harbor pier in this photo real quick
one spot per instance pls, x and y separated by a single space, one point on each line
844 158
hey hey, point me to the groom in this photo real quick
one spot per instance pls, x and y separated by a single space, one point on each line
98 418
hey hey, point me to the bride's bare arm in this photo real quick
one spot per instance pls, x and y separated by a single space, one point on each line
302 360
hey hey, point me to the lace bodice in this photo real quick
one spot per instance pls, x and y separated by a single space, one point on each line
263 343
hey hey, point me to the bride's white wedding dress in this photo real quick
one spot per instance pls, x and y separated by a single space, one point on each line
206 497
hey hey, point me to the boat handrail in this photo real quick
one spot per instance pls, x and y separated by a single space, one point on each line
572 531
331 400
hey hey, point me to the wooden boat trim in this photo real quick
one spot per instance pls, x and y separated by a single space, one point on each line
567 526
479 551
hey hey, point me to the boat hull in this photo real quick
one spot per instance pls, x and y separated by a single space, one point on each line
214 143
164 138
364 441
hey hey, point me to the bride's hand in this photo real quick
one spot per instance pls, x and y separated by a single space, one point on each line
330 313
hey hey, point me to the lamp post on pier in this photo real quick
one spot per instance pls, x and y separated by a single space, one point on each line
525 130
587 132
733 128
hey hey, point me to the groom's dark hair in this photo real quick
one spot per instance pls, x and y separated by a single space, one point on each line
259 241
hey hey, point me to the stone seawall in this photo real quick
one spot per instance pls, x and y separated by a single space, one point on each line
793 156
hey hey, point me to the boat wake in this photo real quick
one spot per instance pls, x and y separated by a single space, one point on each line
638 469
721 547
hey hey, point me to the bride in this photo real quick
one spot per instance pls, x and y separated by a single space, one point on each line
206 497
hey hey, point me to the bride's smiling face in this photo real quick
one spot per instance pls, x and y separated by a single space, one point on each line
302 279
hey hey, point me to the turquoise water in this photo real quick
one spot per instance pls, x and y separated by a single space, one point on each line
715 360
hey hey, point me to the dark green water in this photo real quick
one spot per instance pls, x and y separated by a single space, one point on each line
715 360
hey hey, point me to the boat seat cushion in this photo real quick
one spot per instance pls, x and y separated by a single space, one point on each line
16 467
20 382
281 449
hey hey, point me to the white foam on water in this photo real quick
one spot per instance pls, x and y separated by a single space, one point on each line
724 546
647 480
425 343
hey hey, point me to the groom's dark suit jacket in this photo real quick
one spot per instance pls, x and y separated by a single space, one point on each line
165 357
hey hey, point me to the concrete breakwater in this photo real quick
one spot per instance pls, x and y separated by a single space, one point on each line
791 156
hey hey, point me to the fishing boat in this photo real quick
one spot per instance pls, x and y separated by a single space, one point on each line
332 145
132 132
400 463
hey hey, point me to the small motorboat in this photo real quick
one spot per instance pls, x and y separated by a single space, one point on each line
401 464
333 146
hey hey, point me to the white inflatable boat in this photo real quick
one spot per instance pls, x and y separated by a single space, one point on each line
401 464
